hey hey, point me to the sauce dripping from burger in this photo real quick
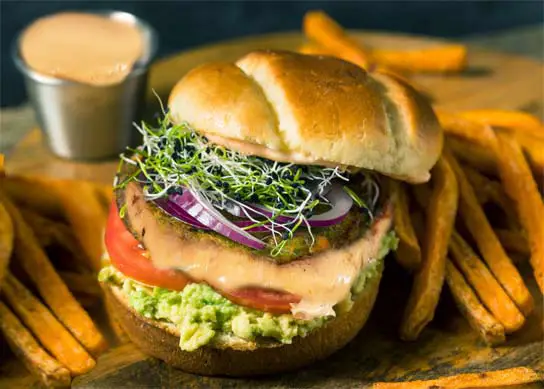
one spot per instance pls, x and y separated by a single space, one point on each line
320 281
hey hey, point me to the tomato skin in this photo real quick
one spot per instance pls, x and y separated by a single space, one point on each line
129 258
263 299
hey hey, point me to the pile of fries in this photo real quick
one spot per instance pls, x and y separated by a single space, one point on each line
50 250
447 232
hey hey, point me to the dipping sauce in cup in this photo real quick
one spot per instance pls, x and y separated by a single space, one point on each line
86 76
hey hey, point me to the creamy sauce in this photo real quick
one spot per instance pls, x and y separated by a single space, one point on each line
90 49
321 281
268 153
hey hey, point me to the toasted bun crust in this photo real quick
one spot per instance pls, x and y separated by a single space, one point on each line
238 358
311 109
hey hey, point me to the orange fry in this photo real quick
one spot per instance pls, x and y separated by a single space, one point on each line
490 330
319 27
46 328
473 154
453 123
488 379
312 48
515 120
49 284
522 189
86 216
444 58
428 280
490 190
485 285
488 244
408 253
513 241
6 240
37 361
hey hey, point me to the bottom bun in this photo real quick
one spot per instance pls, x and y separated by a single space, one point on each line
159 340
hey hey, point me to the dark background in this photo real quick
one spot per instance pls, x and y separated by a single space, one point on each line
186 24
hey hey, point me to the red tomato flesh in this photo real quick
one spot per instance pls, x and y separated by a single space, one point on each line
131 259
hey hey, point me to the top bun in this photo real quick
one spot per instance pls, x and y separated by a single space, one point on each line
311 110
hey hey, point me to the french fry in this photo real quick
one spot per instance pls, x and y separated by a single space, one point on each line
472 154
490 330
489 190
533 148
408 253
78 283
488 379
319 27
34 194
428 280
312 48
444 58
46 328
516 120
86 216
453 123
37 361
513 241
522 189
49 284
6 240
488 244
485 285
105 195
1 164
51 232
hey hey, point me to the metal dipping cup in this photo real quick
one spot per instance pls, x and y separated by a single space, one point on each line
89 122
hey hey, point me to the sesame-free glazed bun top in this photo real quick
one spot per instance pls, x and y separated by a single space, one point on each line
311 110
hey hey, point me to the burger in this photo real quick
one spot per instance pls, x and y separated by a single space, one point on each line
249 230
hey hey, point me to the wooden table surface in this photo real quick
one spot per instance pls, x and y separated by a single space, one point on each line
493 80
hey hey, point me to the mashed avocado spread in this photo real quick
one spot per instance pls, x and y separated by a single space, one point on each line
203 315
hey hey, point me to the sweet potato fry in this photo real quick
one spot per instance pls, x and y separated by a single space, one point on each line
453 123
52 232
516 120
489 379
49 284
312 48
37 361
490 190
78 283
6 240
513 241
105 195
533 148
444 58
488 244
319 27
35 195
408 253
86 216
522 189
490 330
428 280
485 285
46 328
473 154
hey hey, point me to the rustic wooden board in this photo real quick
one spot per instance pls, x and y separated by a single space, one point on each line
448 346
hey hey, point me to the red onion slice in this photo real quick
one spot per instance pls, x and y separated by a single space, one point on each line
201 210
175 211
340 203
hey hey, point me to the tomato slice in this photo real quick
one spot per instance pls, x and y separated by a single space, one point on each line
263 299
129 258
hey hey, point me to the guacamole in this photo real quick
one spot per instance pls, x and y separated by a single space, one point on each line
202 315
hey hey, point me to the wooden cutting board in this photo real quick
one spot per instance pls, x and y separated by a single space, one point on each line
448 346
